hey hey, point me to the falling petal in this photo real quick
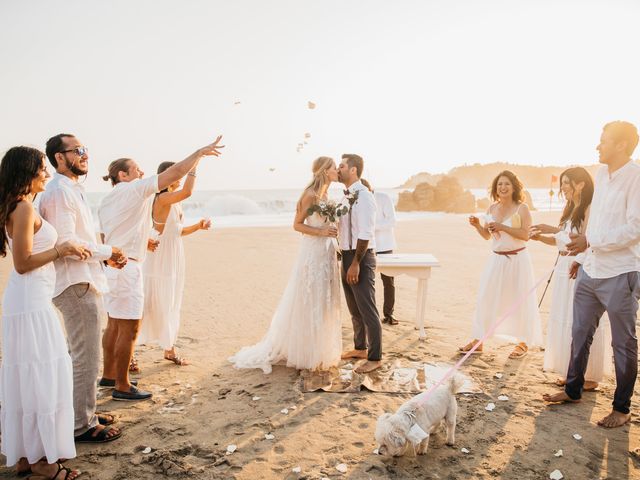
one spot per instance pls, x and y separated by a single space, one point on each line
269 436
296 469
256 398
577 436
464 450
231 448
341 467
284 411
311 105
146 450
558 453
490 407
498 375
503 398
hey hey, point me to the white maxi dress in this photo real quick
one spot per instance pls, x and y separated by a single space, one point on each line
558 346
306 330
36 381
505 279
163 272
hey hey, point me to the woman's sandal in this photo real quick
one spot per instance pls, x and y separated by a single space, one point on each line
178 360
133 365
518 352
61 468
101 437
464 350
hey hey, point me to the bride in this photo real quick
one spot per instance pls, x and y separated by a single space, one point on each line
305 331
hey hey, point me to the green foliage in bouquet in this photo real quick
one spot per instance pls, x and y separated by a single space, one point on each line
330 210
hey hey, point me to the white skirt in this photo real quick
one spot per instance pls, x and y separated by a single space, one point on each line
505 280
36 388
558 348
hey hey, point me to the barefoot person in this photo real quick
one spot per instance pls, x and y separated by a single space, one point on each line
163 269
305 331
125 221
609 279
79 285
357 241
508 273
576 186
36 382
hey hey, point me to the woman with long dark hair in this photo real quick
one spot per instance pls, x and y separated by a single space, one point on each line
36 384
508 273
576 186
163 269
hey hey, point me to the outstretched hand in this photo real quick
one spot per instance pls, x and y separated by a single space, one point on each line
212 148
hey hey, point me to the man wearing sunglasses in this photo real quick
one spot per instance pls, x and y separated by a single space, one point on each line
79 284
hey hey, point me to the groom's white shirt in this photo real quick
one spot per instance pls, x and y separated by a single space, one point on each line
363 219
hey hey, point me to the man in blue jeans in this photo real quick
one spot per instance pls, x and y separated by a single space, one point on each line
609 280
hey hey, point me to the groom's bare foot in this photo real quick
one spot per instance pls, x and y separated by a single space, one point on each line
354 354
369 366
615 419
560 397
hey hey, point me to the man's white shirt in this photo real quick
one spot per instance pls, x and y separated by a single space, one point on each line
125 216
64 205
613 231
363 219
385 221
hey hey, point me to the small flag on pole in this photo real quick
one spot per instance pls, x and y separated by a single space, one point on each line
554 179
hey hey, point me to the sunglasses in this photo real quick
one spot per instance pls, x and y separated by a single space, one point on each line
80 151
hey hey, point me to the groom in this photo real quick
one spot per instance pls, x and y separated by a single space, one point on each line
357 240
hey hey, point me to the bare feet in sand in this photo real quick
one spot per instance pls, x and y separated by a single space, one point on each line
615 419
368 366
560 397
354 354
588 386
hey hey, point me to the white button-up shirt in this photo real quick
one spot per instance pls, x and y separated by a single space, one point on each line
613 231
64 205
385 221
362 217
125 216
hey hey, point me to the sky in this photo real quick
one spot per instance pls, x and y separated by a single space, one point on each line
411 86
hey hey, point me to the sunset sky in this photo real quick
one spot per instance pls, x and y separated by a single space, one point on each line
410 85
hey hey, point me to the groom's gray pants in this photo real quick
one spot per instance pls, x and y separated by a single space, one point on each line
361 300
618 296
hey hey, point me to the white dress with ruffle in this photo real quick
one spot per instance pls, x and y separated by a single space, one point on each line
36 381
306 330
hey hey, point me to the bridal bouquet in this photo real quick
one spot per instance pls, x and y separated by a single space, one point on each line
331 211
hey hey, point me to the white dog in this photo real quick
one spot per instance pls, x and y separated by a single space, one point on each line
417 418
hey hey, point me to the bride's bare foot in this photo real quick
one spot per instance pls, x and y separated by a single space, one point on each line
589 386
368 366
615 419
23 467
560 397
354 354
469 346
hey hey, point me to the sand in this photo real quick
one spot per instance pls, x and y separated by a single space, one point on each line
234 280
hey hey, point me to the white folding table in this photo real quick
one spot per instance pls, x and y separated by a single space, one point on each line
417 265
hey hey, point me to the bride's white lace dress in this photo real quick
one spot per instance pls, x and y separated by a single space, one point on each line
305 331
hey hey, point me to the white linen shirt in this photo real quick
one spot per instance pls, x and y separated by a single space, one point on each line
64 205
385 221
363 219
613 231
125 216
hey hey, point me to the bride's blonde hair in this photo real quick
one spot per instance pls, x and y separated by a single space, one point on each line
320 177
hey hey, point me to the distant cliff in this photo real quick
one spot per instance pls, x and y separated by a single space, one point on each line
480 176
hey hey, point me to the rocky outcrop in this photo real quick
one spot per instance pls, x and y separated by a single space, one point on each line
446 196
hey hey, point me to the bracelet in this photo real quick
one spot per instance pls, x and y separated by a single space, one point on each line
57 251
193 174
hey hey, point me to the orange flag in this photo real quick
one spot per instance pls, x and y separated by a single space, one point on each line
554 179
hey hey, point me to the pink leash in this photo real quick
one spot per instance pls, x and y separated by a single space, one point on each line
514 306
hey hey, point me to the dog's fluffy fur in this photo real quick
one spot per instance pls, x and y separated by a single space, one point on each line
392 429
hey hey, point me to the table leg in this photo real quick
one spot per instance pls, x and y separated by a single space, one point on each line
421 307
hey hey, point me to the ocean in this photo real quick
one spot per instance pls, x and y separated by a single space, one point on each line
269 208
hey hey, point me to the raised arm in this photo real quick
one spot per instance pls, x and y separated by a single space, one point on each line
301 213
23 220
180 169
169 198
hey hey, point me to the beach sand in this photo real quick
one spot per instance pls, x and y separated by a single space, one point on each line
234 280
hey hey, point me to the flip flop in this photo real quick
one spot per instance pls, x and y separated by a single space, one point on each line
101 437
